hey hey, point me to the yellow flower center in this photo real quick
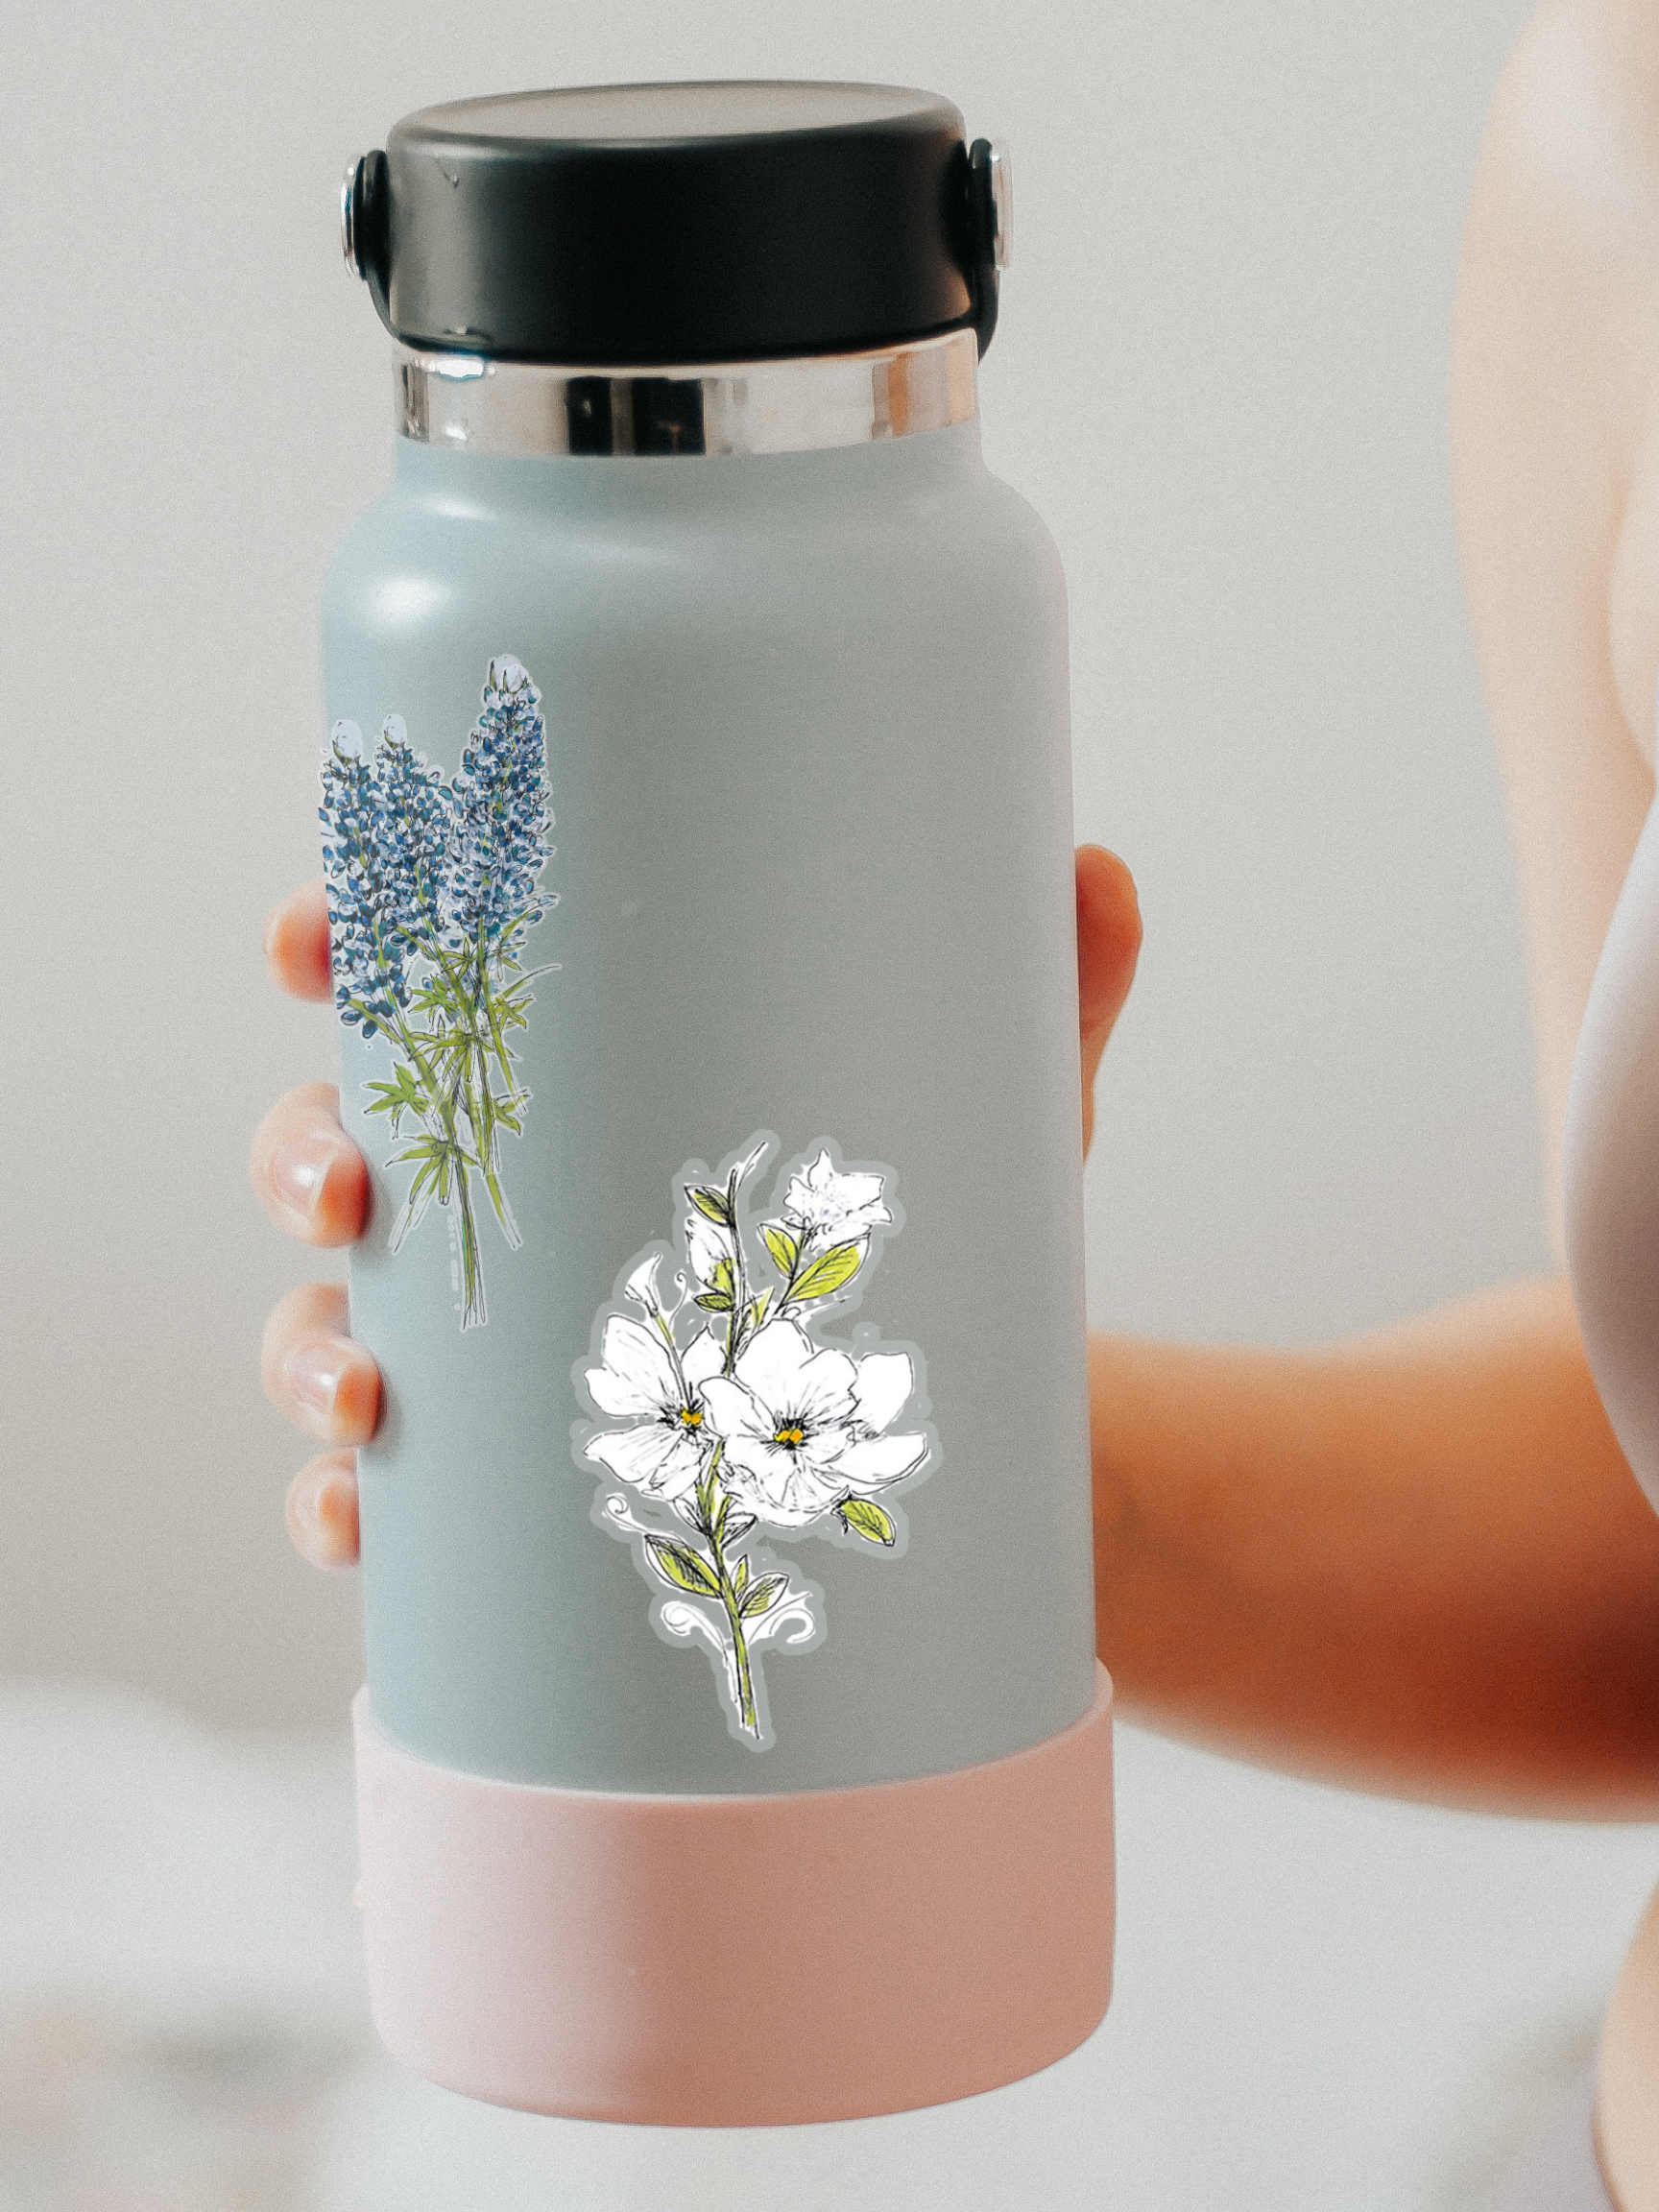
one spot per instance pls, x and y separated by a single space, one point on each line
794 1434
690 1417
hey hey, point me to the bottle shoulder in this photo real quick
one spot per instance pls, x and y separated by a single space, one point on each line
638 539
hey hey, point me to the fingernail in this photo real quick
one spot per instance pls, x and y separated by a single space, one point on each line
316 1372
300 1168
323 1515
337 1519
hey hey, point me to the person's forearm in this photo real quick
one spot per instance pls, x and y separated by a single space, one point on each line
1416 1561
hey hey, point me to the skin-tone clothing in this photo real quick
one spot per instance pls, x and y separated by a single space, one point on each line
1419 1561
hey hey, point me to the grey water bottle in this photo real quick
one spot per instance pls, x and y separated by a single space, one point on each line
696 824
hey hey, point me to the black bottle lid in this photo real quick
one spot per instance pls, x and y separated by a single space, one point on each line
659 223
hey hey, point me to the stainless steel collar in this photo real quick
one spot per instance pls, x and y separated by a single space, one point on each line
470 402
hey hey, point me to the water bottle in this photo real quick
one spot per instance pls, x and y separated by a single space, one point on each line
696 824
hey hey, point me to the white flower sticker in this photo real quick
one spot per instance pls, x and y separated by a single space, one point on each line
742 1424
803 1425
823 1202
644 1377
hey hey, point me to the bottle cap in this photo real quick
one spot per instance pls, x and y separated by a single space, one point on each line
650 225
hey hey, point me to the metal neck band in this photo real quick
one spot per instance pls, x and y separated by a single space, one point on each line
471 404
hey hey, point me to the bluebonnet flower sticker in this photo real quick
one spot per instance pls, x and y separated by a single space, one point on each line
432 888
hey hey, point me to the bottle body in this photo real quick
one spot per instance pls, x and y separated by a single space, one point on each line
697 828
727 1531
807 750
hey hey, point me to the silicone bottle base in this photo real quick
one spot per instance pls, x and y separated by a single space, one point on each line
740 1960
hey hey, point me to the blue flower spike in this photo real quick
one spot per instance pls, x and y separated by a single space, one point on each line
431 887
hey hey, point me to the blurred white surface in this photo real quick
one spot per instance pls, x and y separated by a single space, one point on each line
1325 2003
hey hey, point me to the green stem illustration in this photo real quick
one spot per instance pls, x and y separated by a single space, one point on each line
442 1102
712 1512
737 1328
739 1647
710 1523
471 1260
480 1107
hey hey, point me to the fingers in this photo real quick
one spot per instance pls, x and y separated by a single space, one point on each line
322 1510
309 1176
1108 947
312 1182
296 943
314 1373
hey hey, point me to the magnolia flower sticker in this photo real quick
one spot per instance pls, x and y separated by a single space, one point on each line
742 1425
431 889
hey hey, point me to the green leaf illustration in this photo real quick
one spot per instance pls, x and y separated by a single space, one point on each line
710 1203
424 1180
782 1247
685 1569
401 1096
430 1150
838 1266
721 1279
715 1301
733 1530
758 1308
866 1518
765 1595
740 1576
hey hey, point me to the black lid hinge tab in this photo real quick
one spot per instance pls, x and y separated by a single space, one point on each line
364 228
990 223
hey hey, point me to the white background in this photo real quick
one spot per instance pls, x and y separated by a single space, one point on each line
1221 376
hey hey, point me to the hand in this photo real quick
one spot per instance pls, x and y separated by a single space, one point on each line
314 1184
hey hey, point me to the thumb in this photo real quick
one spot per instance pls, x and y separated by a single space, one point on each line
1108 947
